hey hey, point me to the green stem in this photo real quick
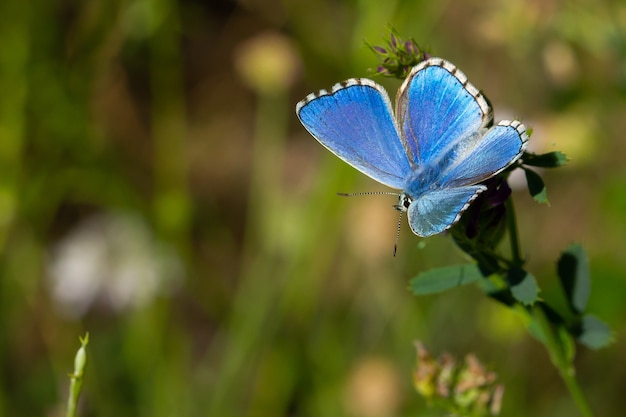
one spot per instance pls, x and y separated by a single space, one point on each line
557 355
513 235
76 378
558 358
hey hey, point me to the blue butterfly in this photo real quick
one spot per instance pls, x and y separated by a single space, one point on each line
437 146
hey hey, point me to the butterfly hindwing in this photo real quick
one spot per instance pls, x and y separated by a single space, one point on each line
436 107
436 211
500 146
355 122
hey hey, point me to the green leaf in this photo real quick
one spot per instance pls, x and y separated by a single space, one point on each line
441 279
523 286
546 160
594 333
536 187
573 271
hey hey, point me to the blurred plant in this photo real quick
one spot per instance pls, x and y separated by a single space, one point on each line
373 389
111 260
467 389
502 277
76 378
267 63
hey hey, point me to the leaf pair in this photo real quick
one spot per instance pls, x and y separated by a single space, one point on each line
520 284
536 187
574 276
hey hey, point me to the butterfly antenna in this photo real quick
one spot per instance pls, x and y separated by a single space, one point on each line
368 193
395 246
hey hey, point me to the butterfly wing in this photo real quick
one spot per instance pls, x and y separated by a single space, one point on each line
500 146
355 122
436 211
436 108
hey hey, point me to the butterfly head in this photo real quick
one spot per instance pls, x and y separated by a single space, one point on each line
404 201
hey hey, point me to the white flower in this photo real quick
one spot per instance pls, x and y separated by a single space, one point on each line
111 259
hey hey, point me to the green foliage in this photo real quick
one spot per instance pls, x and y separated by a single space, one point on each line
441 279
573 272
575 279
523 285
536 187
547 160
594 333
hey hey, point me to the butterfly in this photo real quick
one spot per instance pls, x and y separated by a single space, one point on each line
436 147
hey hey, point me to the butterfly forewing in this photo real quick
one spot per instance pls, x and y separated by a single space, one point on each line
437 108
355 122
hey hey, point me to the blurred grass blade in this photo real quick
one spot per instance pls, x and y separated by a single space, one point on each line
441 279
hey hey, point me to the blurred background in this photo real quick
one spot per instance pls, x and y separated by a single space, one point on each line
157 190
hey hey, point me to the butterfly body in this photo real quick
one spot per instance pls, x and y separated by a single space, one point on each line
436 147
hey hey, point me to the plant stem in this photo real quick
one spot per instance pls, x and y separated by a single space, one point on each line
76 378
549 339
558 358
513 235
